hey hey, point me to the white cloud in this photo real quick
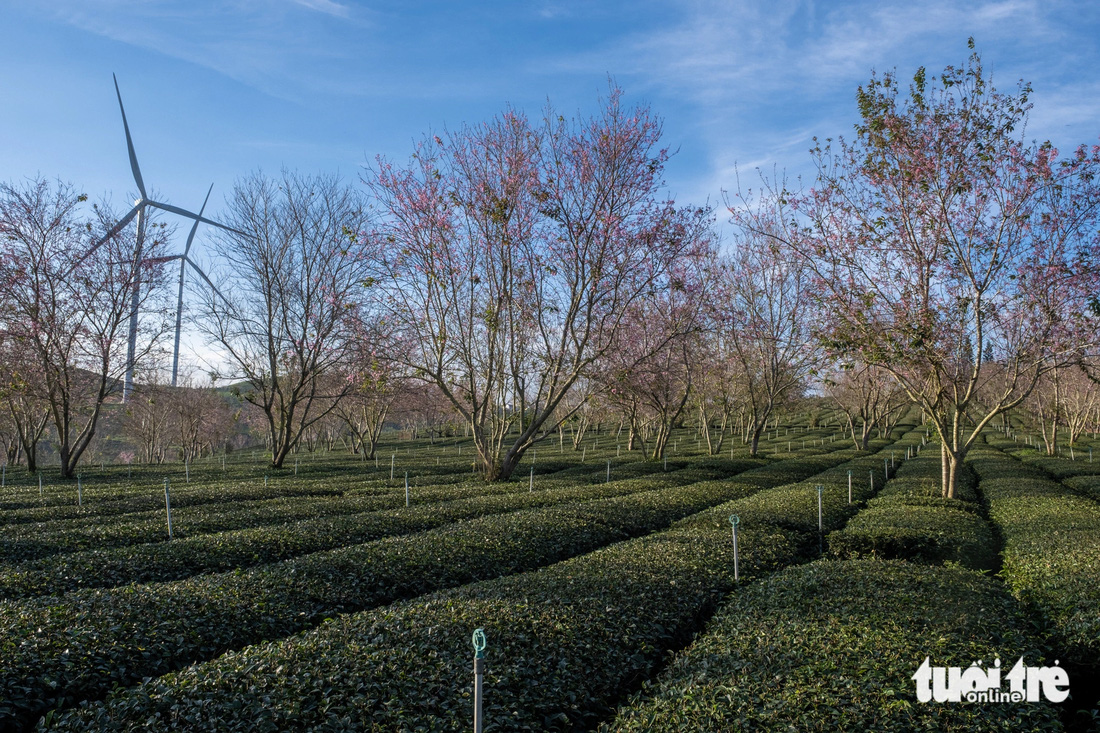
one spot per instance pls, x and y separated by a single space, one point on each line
326 6
760 79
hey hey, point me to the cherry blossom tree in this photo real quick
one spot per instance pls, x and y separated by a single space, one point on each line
28 414
719 391
652 370
66 305
946 249
512 252
1064 399
1081 397
148 420
202 419
869 398
762 312
378 381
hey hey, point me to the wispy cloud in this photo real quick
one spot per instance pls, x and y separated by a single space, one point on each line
326 6
762 78
279 48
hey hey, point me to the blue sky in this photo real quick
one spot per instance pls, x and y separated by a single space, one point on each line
214 90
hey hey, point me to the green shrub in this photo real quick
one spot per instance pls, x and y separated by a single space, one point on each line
1051 552
833 646
63 650
564 641
223 551
910 520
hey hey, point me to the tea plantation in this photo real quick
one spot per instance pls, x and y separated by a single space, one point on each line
332 595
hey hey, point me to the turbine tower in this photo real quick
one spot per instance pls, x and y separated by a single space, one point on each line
184 262
139 211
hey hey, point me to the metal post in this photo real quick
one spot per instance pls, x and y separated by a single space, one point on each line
479 675
872 474
849 487
584 452
406 488
79 492
820 524
531 481
40 484
168 508
393 457
187 469
608 471
735 520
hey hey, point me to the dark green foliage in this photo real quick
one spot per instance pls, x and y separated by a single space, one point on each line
1052 549
564 641
910 520
832 646
222 551
67 649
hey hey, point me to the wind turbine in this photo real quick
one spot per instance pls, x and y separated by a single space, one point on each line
138 211
184 262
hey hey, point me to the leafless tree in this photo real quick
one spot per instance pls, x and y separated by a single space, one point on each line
868 397
291 290
763 321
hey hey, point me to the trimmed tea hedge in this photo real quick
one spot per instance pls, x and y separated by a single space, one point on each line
1051 554
206 508
120 498
910 520
1081 475
30 541
79 647
222 551
832 646
564 641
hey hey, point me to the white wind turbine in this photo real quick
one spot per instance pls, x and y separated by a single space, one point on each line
184 262
139 212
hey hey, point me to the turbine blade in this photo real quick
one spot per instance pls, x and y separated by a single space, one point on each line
196 217
195 226
208 281
130 144
110 233
161 260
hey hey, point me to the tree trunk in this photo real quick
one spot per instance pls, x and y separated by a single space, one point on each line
754 441
660 442
865 436
951 461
